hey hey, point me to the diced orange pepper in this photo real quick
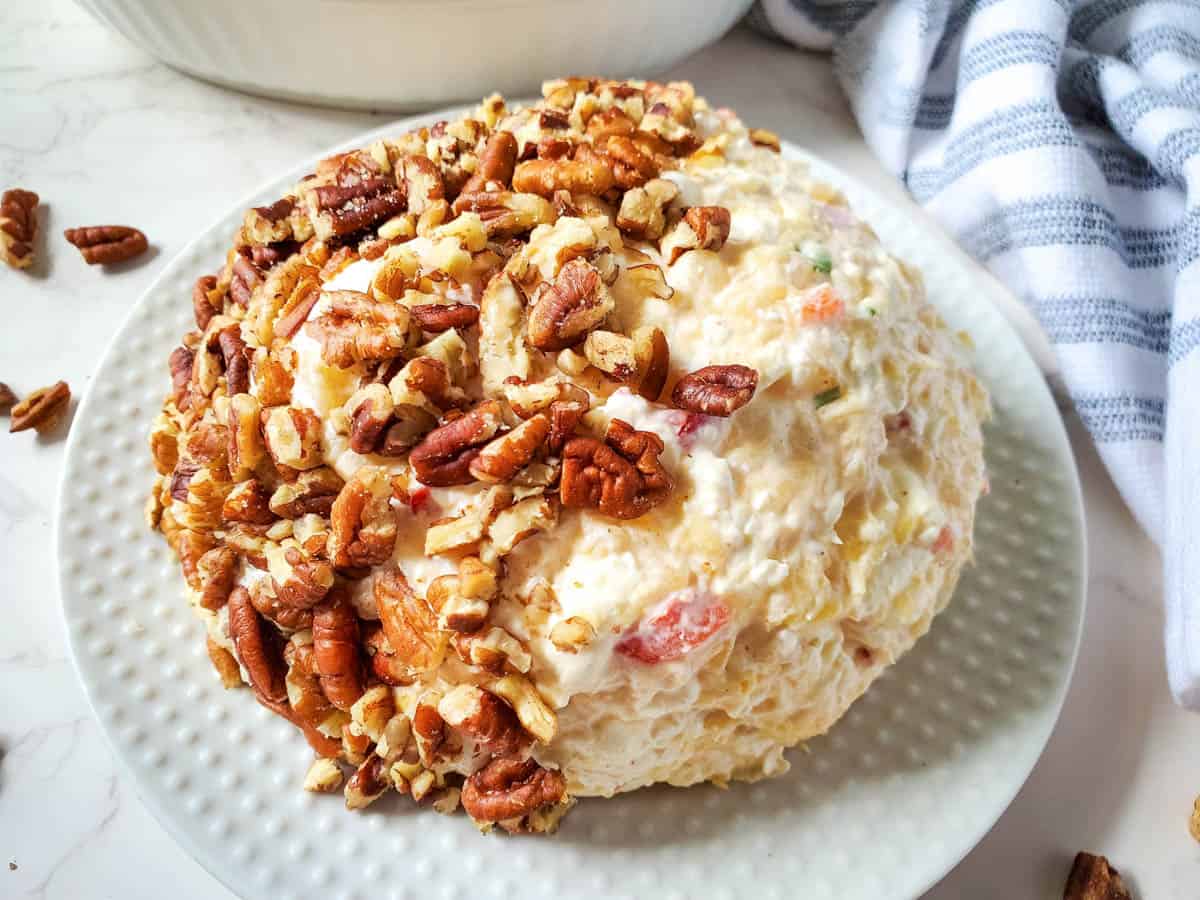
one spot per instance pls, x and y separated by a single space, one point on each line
823 305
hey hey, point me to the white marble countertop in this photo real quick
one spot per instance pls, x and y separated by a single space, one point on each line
103 132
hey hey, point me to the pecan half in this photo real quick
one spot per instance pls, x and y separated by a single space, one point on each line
506 455
8 399
359 329
358 198
438 317
289 618
496 163
621 477
444 456
206 300
42 409
587 175
385 662
107 244
18 226
362 523
510 788
565 311
335 648
180 363
259 655
236 358
249 503
715 390
299 582
410 626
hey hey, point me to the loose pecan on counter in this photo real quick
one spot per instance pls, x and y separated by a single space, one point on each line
715 390
18 226
8 398
42 409
107 244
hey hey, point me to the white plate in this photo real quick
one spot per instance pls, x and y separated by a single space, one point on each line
881 807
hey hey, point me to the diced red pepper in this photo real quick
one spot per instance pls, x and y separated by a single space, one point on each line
689 620
944 542
420 499
822 305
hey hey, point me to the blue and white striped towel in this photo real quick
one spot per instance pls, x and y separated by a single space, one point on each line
1059 142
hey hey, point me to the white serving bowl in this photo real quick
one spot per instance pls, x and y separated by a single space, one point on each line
407 54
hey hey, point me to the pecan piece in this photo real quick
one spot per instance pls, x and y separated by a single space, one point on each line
422 183
504 213
370 410
565 311
410 626
701 228
511 788
224 662
18 226
385 662
506 455
362 524
42 409
107 244
8 399
438 317
289 618
256 651
1093 878
485 718
496 165
653 357
335 648
299 582
217 571
236 358
642 209
368 783
761 137
313 492
715 390
245 450
180 364
248 503
612 354
463 601
292 435
444 457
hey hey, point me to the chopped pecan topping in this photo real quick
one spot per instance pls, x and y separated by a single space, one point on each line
631 166
410 626
273 379
495 168
642 209
107 244
180 364
217 571
386 664
299 582
520 521
612 354
565 311
370 410
18 226
467 530
248 503
565 416
485 718
653 357
462 601
362 524
224 662
368 783
701 228
246 449
611 122
511 788
621 477
42 409
571 634
359 329
506 455
268 605
206 300
302 296
444 457
236 358
244 277
314 491
422 182
715 390
292 435
335 648
258 653
439 317
504 213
